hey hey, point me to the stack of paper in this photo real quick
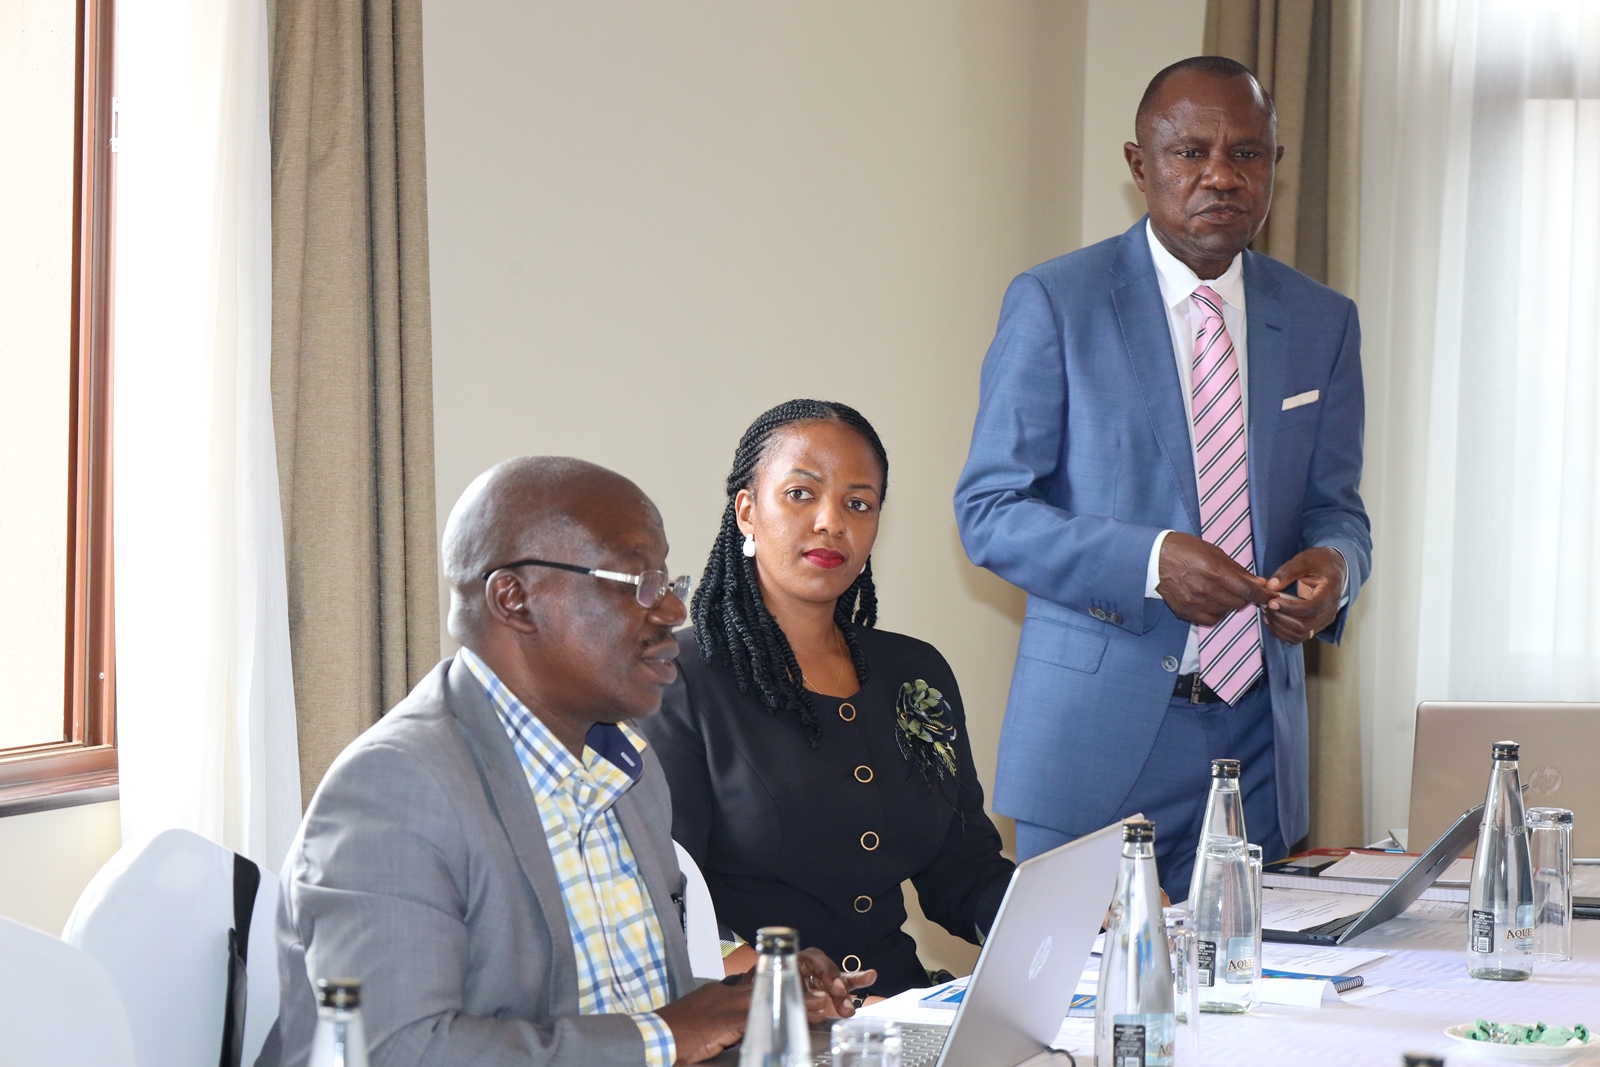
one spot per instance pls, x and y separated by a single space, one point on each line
1370 873
1301 909
1388 866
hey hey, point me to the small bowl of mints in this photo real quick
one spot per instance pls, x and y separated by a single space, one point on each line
1526 1042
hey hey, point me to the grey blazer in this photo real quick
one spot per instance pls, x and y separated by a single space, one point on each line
421 868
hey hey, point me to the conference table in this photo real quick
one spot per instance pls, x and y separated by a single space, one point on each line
1410 996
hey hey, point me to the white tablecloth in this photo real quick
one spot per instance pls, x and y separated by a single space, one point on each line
1427 990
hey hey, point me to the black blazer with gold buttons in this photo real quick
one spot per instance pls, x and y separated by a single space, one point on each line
820 839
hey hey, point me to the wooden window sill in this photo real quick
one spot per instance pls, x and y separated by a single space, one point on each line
57 776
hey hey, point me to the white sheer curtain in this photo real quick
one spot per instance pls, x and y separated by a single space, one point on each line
1480 299
205 697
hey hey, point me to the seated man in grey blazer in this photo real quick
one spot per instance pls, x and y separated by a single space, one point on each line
493 859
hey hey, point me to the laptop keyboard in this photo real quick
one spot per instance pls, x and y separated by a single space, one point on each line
919 1046
1333 927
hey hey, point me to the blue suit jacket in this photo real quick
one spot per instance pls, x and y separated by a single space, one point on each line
1081 457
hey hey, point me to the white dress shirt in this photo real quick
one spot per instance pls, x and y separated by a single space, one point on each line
1178 284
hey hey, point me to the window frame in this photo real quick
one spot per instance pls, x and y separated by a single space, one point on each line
82 768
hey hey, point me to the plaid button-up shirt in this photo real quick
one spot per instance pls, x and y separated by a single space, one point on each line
622 959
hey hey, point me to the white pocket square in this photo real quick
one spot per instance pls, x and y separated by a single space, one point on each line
1301 399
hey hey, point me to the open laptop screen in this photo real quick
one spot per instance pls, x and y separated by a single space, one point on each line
1450 763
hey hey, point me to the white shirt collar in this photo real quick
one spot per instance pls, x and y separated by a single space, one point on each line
1178 282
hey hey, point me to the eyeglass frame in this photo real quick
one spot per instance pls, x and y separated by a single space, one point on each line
678 586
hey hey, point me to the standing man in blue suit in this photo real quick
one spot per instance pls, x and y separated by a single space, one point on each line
1168 440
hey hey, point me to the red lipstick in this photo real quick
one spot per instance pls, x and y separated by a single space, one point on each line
826 558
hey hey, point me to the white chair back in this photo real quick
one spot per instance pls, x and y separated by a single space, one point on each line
705 944
58 1007
157 917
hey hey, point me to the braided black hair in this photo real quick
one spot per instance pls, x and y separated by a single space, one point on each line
730 618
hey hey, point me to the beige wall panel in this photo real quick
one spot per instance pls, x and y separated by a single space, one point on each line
1130 41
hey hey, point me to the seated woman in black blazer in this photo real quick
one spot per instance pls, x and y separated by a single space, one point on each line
816 762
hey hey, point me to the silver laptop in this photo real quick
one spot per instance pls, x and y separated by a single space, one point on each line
1399 896
1560 762
1030 965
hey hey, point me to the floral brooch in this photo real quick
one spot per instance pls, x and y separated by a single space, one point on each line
926 735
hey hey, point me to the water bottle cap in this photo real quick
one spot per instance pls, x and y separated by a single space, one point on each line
1224 768
1423 1059
339 992
1506 750
777 940
1138 830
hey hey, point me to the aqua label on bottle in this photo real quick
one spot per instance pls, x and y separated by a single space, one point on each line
1141 1041
1238 966
1241 965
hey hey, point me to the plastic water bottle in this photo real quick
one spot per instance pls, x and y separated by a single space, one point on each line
1223 908
340 1039
1500 901
776 1034
1133 1016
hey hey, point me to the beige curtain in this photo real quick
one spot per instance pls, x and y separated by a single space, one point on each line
1307 53
352 378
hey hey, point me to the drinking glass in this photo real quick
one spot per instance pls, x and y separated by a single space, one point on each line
862 1041
1185 989
1253 852
1550 850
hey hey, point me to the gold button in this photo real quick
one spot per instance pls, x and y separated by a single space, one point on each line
846 965
863 774
851 708
869 841
863 904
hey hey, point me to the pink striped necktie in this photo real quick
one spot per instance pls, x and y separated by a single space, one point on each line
1230 651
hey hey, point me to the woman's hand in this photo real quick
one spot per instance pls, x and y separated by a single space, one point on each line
830 991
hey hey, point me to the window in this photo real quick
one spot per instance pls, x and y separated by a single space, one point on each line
1528 513
57 705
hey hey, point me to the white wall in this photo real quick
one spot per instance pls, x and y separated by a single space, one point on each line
651 222
46 859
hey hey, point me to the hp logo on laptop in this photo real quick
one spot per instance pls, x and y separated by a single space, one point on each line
1039 957
1544 781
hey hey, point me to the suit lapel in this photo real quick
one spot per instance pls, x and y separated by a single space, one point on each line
507 788
1267 352
1148 340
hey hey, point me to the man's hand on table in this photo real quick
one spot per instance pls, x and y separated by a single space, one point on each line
1202 584
712 1017
708 1020
1321 573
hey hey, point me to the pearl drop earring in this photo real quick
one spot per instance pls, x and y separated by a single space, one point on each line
749 547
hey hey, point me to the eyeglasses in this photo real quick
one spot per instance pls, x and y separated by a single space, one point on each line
650 588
